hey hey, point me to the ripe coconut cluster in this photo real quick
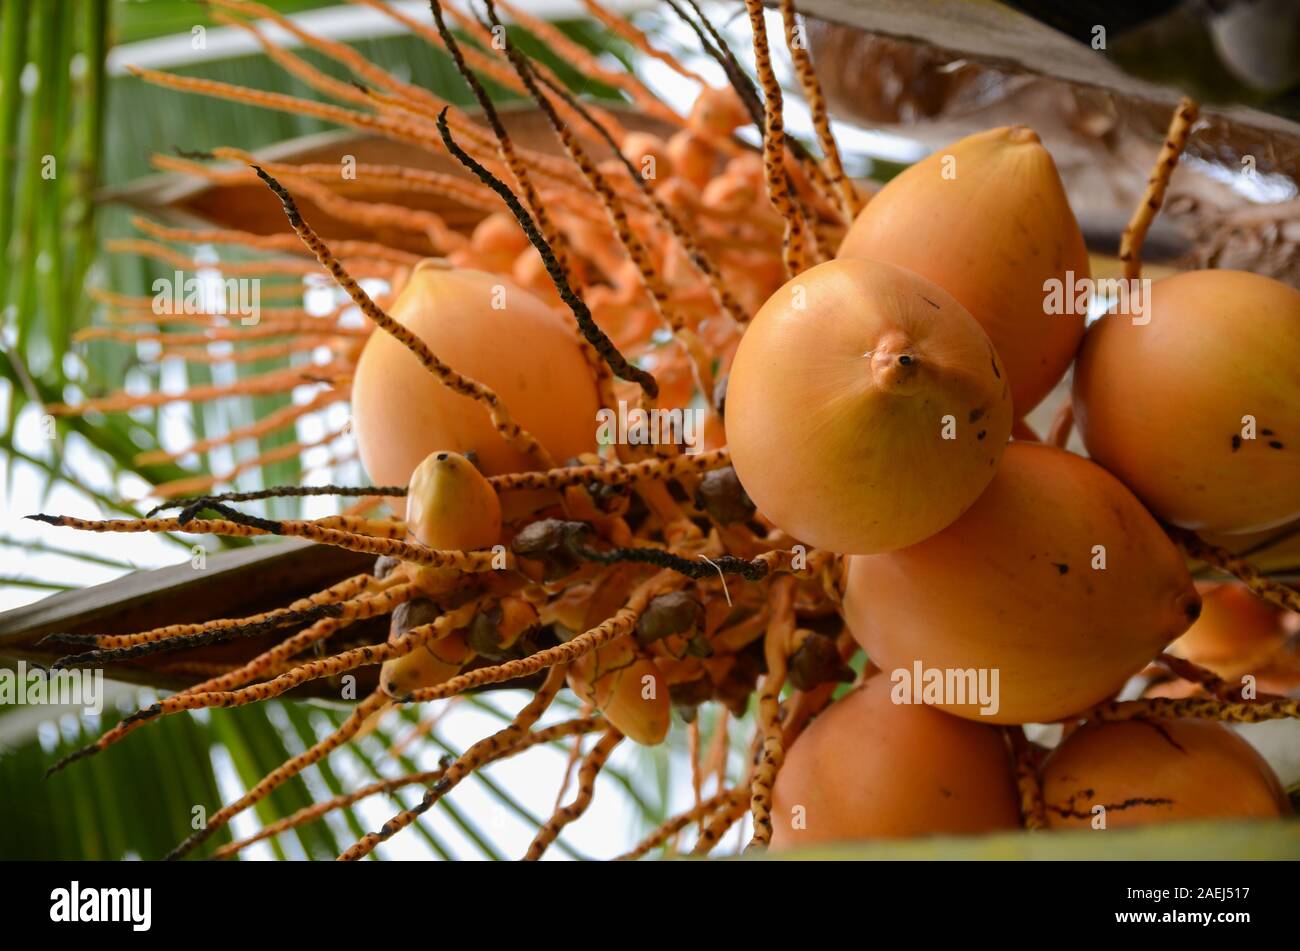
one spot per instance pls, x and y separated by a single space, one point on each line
868 411
860 509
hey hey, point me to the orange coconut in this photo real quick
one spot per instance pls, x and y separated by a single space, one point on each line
717 112
449 505
1157 771
1056 580
1195 403
1237 632
648 154
692 157
496 241
865 408
493 331
629 690
427 666
868 768
988 221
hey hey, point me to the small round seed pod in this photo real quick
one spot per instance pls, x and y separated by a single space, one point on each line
721 495
495 634
411 614
674 613
547 541
689 695
428 665
816 661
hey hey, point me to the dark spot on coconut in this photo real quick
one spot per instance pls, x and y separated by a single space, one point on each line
441 457
1159 728
905 360
976 415
1236 443
1266 432
1061 569
1275 443
981 434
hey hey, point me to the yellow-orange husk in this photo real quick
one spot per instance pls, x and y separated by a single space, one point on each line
1237 632
1154 771
841 399
868 768
630 691
449 504
490 330
1164 400
1015 587
426 666
987 219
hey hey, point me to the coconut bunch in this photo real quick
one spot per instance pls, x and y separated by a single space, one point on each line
866 481
1057 576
